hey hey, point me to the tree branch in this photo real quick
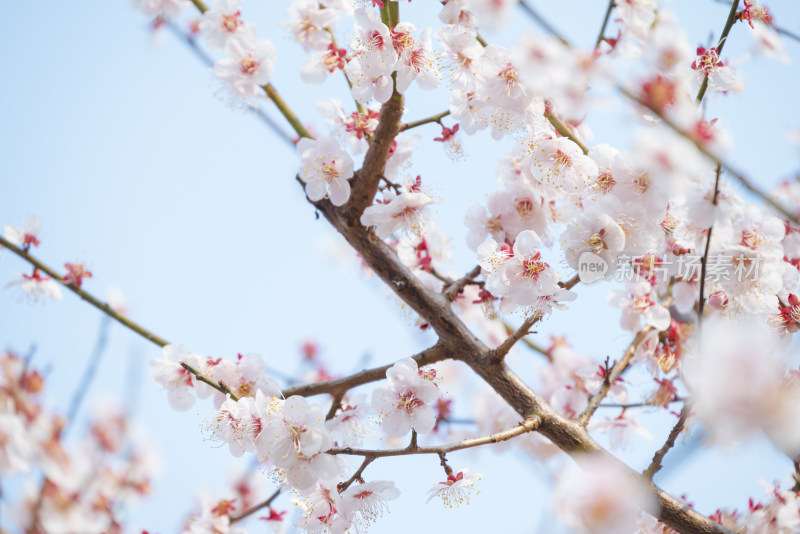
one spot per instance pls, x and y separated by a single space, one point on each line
615 372
452 289
428 120
602 32
257 507
716 159
704 259
219 386
88 297
655 465
566 132
340 386
722 38
529 425
527 8
528 342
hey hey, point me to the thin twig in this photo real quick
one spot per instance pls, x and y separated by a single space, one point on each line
655 465
716 159
191 42
566 132
530 424
88 297
88 374
451 291
219 386
257 507
342 385
616 371
357 475
428 120
525 328
722 38
704 259
541 21
528 342
605 23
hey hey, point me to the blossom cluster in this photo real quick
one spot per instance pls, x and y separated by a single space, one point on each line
293 437
86 485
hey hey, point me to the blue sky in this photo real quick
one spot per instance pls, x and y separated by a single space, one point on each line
118 144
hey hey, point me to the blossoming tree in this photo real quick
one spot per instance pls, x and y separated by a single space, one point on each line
700 264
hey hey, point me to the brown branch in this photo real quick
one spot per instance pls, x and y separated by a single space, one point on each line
616 372
219 386
531 345
452 290
364 184
722 38
530 424
655 465
357 475
257 507
602 32
704 259
427 120
85 295
340 386
527 8
524 329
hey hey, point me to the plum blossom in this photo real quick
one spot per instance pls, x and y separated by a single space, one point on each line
308 20
738 382
601 497
170 375
76 273
24 238
560 162
620 429
325 168
249 65
223 22
457 489
708 65
373 46
36 284
364 503
639 301
405 401
404 211
592 232
323 62
461 56
415 58
779 515
297 432
521 275
167 8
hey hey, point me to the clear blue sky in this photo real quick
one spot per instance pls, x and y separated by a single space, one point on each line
118 145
